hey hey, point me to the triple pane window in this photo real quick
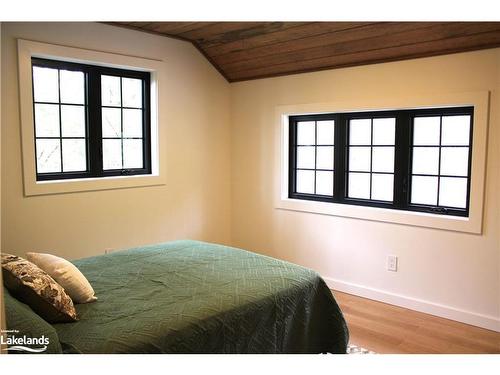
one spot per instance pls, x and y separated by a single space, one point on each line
415 160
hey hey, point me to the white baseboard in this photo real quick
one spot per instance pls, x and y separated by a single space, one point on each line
448 312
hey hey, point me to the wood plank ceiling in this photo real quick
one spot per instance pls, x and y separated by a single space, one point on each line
250 50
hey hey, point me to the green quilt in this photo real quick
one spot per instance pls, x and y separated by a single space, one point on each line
196 297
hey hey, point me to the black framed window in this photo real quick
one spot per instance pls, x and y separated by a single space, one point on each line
417 160
370 153
315 157
440 160
90 121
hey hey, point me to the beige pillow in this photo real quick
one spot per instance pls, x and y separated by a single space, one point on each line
66 274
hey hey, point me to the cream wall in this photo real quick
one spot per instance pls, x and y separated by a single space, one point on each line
447 273
221 145
195 202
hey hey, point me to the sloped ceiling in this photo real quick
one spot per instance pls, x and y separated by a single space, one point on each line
250 50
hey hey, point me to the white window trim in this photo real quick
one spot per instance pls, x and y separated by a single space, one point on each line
27 50
472 224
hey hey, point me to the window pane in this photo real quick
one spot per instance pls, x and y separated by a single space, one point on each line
74 157
305 182
132 123
426 131
453 192
45 85
454 161
46 120
73 121
425 160
324 157
383 159
112 153
305 133
48 155
326 132
384 131
305 157
72 87
359 185
456 130
360 132
359 158
424 190
110 91
132 92
324 183
382 187
132 153
111 123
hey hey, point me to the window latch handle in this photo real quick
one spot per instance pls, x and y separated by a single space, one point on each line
439 210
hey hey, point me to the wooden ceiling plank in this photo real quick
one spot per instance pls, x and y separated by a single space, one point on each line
251 30
136 24
214 30
361 32
293 32
410 51
144 30
431 33
211 32
144 26
158 26
208 33
176 28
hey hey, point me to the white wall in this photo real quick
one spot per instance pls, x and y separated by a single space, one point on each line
195 202
448 273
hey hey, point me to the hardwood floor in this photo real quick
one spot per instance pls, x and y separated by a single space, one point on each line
390 329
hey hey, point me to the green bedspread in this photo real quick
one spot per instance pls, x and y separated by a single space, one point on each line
195 297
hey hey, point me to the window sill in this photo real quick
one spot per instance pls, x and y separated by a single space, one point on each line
90 184
421 219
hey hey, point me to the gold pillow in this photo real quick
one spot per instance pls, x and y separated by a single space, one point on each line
36 288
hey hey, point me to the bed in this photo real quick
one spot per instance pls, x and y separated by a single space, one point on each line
196 297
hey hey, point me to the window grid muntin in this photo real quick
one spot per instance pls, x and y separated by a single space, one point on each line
92 92
402 155
60 117
60 138
439 157
121 119
315 154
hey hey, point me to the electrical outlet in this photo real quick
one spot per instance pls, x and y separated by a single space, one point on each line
392 263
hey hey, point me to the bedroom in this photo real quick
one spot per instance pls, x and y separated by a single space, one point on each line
219 173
